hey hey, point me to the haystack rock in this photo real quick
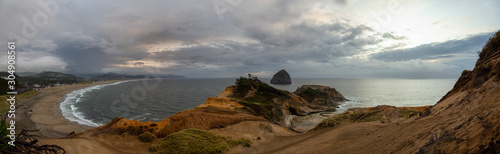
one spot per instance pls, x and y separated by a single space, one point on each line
282 77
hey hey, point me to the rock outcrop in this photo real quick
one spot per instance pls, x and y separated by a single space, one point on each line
282 77
277 105
321 97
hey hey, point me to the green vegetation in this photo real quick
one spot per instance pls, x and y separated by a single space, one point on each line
268 111
493 44
85 82
27 94
24 143
242 141
245 142
407 113
125 134
146 137
196 141
3 133
4 105
261 99
4 87
372 115
360 116
264 93
310 94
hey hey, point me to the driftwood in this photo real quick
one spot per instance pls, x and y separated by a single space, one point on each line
26 143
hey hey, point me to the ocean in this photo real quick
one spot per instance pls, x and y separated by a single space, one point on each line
156 99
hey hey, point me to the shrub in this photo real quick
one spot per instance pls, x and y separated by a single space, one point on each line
245 142
147 137
232 143
3 134
407 113
196 141
191 141
492 44
310 94
125 134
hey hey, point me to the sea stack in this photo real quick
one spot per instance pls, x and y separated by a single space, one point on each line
282 77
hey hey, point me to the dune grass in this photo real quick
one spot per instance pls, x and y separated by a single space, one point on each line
146 137
4 105
196 141
364 116
359 116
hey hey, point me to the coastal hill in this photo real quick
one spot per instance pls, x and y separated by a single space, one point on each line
42 79
56 76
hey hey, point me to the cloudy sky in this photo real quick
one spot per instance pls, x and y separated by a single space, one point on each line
228 38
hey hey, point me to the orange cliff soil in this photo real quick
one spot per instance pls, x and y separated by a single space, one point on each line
215 113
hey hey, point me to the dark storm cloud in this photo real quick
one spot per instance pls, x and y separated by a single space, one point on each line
83 59
468 45
299 42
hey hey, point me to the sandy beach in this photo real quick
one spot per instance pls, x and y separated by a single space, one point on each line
42 112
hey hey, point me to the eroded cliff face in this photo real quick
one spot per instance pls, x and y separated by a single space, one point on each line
471 110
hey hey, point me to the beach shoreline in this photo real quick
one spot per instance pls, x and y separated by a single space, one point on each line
42 112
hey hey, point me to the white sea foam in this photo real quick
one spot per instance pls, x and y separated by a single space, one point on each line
346 105
70 112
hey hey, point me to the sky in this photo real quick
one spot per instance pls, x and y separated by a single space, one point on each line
230 38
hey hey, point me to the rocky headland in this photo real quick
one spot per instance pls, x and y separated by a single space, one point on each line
248 100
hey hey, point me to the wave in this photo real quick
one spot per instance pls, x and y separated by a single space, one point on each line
349 104
72 113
